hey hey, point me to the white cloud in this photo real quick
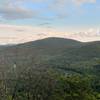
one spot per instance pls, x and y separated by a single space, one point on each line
19 34
80 2
12 9
16 13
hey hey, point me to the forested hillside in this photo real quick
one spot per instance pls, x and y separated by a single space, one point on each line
50 69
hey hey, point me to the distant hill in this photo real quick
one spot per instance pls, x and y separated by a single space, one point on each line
57 53
44 46
58 42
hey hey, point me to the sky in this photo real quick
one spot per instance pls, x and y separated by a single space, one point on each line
63 16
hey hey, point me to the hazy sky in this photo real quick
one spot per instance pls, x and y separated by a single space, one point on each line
64 15
20 19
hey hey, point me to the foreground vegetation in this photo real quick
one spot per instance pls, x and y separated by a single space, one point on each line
49 86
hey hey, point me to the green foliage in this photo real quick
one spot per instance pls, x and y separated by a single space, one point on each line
51 86
75 88
50 69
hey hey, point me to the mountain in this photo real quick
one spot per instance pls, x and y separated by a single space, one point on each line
57 53
48 45
50 63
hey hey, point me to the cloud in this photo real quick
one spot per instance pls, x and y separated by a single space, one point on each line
11 12
63 8
80 2
64 3
43 24
14 9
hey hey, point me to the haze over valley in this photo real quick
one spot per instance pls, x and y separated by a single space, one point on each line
13 34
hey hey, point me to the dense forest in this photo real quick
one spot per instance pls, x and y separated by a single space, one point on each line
50 69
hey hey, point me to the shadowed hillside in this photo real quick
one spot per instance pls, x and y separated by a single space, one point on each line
49 50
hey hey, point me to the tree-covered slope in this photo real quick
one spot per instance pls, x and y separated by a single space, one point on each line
50 69
50 52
